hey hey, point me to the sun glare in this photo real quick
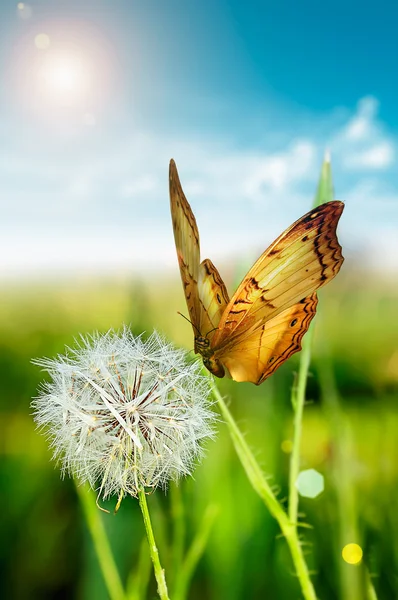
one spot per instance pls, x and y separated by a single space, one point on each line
64 79
63 74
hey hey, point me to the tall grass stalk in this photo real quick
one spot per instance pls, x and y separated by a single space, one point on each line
101 543
298 400
323 194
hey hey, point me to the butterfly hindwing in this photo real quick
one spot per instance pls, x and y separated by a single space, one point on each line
213 297
255 353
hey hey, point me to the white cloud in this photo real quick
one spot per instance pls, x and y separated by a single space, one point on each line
276 172
361 125
215 173
363 143
379 156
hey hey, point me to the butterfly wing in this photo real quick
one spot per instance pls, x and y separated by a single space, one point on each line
186 236
213 297
277 290
205 291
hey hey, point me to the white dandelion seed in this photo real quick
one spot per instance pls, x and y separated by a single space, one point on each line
123 413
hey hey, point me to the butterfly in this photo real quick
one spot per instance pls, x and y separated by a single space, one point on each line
253 333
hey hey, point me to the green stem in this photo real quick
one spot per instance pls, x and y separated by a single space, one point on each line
298 400
263 489
159 572
101 543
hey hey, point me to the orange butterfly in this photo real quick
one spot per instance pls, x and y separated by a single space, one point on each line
262 325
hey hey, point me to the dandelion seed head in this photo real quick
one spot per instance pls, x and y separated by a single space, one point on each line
123 413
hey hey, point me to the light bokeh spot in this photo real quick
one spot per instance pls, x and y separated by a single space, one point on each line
352 554
42 41
310 483
287 446
24 10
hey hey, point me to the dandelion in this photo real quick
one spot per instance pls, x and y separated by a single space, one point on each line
125 415
125 412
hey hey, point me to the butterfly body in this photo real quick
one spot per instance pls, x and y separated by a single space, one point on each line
212 364
250 335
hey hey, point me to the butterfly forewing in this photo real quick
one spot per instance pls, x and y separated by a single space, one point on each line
205 291
186 236
305 257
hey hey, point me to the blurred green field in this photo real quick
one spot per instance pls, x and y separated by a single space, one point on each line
350 436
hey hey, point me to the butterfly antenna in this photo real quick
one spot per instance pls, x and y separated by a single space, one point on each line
186 318
214 328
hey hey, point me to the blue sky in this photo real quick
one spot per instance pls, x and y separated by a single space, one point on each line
245 96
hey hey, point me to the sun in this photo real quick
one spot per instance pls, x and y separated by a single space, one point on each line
64 79
64 74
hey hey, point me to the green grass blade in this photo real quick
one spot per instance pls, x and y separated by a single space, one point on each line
325 192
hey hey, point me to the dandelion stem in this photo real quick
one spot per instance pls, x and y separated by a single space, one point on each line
298 399
261 486
101 543
159 572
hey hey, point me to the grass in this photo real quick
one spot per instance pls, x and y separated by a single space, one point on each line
44 547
